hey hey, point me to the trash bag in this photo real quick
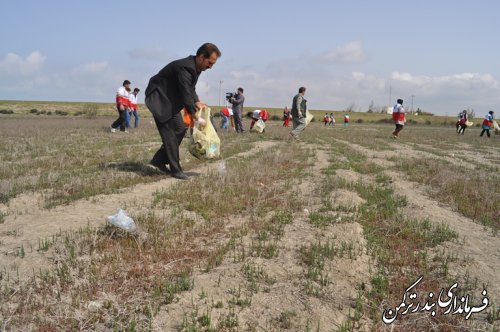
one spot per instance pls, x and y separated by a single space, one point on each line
496 128
309 117
122 220
259 126
204 142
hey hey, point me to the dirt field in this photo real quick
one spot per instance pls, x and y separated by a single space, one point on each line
318 235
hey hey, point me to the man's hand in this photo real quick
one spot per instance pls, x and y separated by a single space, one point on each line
199 105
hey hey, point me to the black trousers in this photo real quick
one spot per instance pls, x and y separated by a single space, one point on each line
398 129
120 122
462 128
487 132
171 132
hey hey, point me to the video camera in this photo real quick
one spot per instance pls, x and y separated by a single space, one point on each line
230 95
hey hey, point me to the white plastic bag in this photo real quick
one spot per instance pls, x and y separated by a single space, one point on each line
309 117
496 126
122 220
259 126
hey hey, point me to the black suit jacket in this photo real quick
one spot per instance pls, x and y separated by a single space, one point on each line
172 89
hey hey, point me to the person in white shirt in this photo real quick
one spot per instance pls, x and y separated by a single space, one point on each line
122 105
133 107
398 116
259 115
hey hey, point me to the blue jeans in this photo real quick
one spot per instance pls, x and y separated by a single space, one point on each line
136 116
127 119
224 122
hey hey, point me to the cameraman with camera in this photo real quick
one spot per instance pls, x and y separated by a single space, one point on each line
237 100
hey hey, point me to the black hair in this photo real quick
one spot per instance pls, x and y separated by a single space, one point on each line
302 89
207 50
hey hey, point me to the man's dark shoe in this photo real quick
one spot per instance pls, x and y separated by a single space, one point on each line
180 175
160 166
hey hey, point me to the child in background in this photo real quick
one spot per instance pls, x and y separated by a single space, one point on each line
286 117
332 120
487 123
398 115
462 123
224 113
326 119
346 120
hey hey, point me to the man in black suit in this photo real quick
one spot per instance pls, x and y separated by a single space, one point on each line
168 92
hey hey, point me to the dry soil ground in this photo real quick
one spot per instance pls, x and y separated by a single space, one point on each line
226 294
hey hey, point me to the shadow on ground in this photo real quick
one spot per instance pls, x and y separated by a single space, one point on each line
133 167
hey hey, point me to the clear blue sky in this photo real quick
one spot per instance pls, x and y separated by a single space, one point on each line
445 53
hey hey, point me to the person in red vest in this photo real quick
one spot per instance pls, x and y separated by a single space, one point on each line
346 120
224 113
264 115
259 114
487 124
326 119
286 117
462 123
122 106
398 116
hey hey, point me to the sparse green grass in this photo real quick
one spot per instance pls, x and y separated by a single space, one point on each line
66 160
475 194
238 191
398 244
395 241
196 322
316 256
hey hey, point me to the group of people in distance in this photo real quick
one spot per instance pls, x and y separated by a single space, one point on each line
227 116
398 116
329 120
463 122
126 105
